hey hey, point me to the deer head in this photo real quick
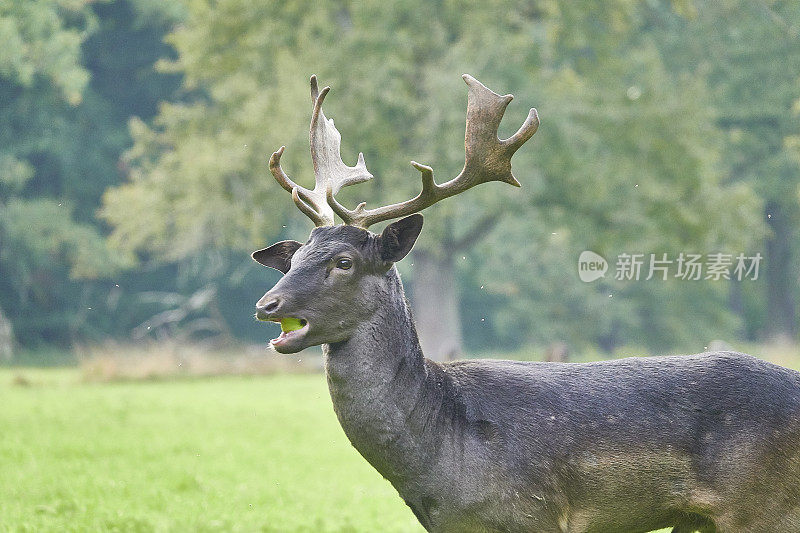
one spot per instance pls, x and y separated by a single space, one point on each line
335 280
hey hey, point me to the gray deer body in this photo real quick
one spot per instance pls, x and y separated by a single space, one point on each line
707 443
620 446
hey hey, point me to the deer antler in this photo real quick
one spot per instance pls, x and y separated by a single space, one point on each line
331 174
488 158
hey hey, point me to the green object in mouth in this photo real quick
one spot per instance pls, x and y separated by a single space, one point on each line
292 324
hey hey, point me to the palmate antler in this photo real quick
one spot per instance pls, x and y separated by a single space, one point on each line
329 170
488 158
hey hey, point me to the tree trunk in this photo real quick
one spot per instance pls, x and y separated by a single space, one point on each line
435 306
736 305
6 338
781 317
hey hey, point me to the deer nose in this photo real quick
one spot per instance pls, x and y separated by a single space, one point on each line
266 307
271 306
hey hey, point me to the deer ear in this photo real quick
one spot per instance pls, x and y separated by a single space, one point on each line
399 237
277 256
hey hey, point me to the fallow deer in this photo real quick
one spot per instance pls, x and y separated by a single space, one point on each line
707 442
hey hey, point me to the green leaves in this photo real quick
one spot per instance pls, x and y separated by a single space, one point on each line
661 123
60 141
628 155
38 43
41 233
14 173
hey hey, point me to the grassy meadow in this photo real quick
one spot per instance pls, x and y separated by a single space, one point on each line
134 446
257 453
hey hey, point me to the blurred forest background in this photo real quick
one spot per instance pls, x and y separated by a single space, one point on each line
135 134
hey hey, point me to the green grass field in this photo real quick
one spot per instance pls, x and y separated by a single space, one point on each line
252 453
216 454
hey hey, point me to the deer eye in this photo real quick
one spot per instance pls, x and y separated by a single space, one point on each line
344 263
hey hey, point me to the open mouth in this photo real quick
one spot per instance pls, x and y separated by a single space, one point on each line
291 328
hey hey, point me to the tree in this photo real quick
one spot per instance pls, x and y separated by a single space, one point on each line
749 53
610 164
62 127
6 338
41 80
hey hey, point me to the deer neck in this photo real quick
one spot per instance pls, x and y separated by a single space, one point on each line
380 385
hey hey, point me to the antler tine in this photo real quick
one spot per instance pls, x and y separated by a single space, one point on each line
487 158
280 176
329 170
306 207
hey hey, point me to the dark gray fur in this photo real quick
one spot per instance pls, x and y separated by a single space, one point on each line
707 442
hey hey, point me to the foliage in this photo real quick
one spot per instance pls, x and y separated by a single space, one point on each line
62 128
636 168
42 40
748 53
666 127
610 167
